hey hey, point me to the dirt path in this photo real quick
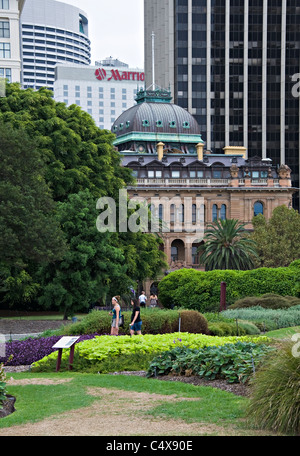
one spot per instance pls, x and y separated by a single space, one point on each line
121 414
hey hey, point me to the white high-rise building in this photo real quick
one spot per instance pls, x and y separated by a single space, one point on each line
10 59
52 32
104 90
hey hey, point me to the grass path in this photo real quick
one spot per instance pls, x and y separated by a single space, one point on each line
68 404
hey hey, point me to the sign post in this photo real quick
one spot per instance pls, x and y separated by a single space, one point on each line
65 342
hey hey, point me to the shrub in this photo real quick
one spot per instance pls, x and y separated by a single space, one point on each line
155 321
193 322
233 362
268 301
275 399
200 290
3 390
269 319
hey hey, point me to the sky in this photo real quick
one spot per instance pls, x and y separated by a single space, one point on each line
116 28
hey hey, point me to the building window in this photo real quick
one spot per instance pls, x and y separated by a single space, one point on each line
217 174
172 124
4 50
174 253
5 73
195 255
151 174
223 212
258 208
214 213
161 212
175 174
146 123
4 4
4 29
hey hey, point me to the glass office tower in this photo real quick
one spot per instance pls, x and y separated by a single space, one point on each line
231 64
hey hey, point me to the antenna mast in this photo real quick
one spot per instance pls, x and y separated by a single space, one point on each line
153 61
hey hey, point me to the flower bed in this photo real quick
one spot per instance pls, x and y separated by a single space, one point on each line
26 352
101 348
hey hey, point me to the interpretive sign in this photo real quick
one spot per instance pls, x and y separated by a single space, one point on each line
65 342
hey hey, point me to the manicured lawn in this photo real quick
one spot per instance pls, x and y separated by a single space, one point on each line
284 333
36 402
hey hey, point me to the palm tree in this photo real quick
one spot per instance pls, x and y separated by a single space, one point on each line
226 246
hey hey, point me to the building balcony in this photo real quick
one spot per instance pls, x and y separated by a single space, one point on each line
154 182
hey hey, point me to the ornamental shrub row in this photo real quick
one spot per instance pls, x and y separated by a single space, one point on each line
266 319
200 290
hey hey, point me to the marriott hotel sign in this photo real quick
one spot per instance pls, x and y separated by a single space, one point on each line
116 75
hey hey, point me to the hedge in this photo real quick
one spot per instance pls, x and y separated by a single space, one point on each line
200 290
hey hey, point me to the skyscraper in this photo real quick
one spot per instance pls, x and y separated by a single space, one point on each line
52 32
231 64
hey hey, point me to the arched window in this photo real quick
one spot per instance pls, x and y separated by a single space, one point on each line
172 213
174 253
258 208
181 213
214 213
194 213
223 212
161 212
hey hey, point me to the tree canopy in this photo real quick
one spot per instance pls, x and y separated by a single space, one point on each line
277 239
227 246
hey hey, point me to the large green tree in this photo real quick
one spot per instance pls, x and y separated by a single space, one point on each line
91 265
28 228
227 246
277 239
79 157
77 153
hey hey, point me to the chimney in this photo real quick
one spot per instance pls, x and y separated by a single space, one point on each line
236 150
200 148
160 150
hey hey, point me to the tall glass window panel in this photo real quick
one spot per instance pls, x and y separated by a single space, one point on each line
258 208
4 29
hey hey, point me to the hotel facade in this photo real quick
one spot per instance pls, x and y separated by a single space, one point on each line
104 90
51 32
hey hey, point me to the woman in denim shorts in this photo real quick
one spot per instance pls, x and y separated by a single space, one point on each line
136 322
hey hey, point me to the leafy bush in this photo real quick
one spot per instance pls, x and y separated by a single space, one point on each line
219 325
200 290
193 322
275 399
233 362
268 301
267 319
2 385
102 348
155 321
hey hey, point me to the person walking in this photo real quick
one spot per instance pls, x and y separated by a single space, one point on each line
143 299
116 314
136 322
153 300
